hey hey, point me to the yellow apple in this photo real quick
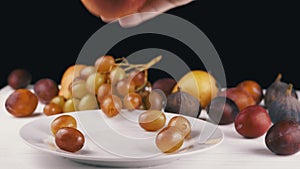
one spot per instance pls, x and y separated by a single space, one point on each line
200 84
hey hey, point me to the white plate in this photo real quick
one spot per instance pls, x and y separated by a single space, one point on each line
119 141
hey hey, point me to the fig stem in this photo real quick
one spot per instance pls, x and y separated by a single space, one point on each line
278 78
178 88
289 89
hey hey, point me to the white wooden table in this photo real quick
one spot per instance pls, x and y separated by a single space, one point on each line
235 152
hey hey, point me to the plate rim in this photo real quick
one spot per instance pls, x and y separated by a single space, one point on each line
80 157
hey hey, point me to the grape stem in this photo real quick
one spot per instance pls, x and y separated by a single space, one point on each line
140 67
152 62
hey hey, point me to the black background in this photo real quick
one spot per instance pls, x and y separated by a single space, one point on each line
255 39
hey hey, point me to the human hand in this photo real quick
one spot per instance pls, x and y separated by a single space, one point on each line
122 10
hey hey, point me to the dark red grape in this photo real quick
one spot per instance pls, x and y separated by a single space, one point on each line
46 89
19 78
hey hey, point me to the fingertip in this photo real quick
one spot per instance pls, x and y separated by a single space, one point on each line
130 20
107 20
136 19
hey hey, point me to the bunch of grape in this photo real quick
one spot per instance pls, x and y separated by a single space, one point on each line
111 85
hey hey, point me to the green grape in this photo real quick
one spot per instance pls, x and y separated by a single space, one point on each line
111 105
60 100
123 87
88 102
132 101
152 120
138 77
116 75
78 89
104 63
156 100
169 139
88 70
71 105
103 90
182 123
52 109
62 121
94 81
